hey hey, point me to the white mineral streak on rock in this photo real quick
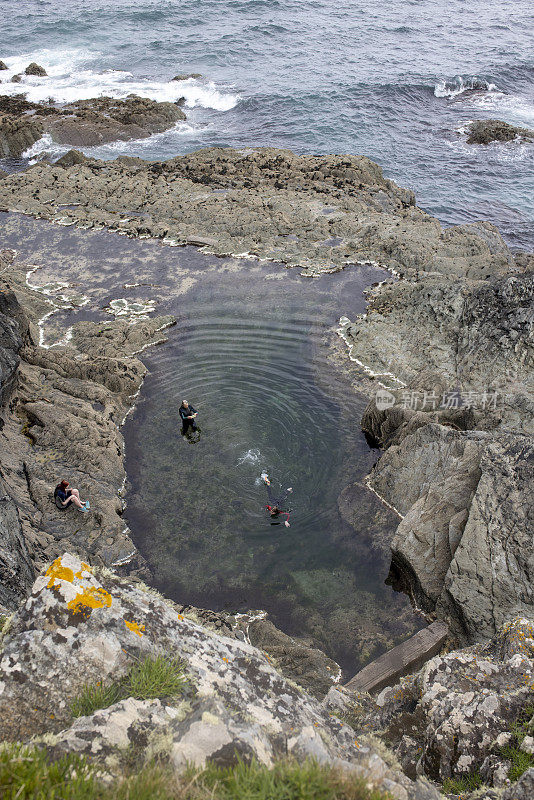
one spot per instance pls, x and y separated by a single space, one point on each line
344 323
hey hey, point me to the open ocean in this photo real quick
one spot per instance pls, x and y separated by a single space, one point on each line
395 81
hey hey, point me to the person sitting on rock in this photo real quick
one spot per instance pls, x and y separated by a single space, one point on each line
64 496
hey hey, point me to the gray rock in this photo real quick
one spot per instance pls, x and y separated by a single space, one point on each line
2 65
187 76
307 666
17 572
16 79
82 123
35 69
252 200
484 131
71 158
489 578
450 718
523 789
81 626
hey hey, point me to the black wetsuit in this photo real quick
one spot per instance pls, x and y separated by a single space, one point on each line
187 423
277 501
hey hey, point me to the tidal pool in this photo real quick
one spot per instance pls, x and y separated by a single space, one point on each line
252 351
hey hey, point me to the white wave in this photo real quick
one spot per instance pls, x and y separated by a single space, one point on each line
252 456
447 88
70 78
45 146
511 108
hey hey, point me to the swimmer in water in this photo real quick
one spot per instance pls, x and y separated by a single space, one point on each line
275 506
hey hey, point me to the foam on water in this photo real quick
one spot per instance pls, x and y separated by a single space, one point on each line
70 78
461 84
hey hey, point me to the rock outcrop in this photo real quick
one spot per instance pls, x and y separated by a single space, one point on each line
81 626
35 69
320 213
61 412
84 123
485 131
460 713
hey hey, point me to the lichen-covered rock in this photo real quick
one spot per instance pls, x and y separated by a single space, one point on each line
458 713
469 698
79 626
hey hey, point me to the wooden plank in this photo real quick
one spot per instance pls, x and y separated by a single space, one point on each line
406 657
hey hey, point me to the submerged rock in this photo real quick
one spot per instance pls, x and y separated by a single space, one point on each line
495 130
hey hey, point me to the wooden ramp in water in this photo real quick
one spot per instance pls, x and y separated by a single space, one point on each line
401 660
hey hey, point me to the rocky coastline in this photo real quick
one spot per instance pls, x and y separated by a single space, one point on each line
84 123
445 355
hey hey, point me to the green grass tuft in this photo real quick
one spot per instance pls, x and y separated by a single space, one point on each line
150 677
159 676
94 696
520 761
462 785
26 774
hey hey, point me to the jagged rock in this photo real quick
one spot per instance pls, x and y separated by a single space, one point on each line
465 503
484 131
450 718
494 771
16 79
274 193
10 342
476 336
17 135
35 69
523 789
2 65
82 626
82 123
65 407
71 158
17 572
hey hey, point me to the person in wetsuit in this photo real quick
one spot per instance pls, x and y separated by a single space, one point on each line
188 415
275 506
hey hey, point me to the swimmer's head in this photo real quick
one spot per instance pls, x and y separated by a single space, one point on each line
185 403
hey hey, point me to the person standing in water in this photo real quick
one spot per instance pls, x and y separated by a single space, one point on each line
275 507
188 415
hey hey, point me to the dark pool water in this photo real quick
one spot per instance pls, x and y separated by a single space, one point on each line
251 350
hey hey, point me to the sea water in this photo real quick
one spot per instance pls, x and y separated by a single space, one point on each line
395 81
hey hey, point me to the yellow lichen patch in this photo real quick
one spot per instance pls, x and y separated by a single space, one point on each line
90 597
57 572
85 568
135 627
